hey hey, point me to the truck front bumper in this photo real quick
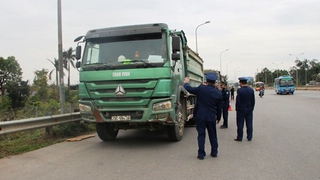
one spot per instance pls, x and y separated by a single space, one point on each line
139 114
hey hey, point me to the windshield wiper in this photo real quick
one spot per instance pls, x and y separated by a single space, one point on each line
104 66
139 60
145 63
100 66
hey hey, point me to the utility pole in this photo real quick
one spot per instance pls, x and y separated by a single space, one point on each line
297 68
265 76
61 81
306 70
297 77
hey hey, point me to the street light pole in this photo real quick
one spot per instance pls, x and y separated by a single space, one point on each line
234 73
196 33
265 76
227 68
220 62
61 84
296 55
306 70
297 68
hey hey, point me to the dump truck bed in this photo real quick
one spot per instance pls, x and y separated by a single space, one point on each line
194 68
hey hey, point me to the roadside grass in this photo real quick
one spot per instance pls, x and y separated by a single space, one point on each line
26 141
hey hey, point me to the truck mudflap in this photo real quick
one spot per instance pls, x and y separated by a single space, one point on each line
97 116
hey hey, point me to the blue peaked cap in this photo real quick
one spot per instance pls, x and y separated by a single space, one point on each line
243 79
211 77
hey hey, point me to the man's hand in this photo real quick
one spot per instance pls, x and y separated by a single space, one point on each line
186 80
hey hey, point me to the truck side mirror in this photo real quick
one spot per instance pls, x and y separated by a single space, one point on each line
175 56
175 48
78 52
175 44
78 64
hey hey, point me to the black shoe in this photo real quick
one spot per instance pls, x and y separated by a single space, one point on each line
223 127
237 139
249 139
199 157
214 155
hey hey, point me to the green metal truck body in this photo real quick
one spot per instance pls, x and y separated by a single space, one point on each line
133 76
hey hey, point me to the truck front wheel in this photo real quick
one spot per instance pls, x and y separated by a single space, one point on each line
175 132
106 131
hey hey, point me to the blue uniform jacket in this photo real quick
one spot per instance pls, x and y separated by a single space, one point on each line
209 102
225 96
245 99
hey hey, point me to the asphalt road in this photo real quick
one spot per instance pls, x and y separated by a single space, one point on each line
286 145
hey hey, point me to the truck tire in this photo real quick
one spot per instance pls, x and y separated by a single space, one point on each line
106 131
175 132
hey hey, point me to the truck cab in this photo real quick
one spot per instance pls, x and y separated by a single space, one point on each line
131 77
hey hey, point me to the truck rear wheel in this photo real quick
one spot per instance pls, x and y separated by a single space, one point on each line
106 131
175 132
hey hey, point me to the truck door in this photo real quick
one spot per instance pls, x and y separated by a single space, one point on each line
179 69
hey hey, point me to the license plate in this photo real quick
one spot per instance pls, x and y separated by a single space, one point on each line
121 118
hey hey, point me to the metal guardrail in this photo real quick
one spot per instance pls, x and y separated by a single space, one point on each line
7 127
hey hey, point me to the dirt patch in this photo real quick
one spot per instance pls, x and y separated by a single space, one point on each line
80 138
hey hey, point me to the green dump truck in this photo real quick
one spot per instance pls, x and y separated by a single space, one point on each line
131 77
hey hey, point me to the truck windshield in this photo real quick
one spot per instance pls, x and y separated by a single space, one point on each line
125 50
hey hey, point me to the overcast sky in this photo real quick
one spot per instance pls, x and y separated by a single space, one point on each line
258 33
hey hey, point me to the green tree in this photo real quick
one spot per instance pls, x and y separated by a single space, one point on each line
265 76
6 113
314 70
305 70
55 63
279 72
40 85
303 67
10 72
68 58
13 91
18 93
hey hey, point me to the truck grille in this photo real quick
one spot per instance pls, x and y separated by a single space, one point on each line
132 92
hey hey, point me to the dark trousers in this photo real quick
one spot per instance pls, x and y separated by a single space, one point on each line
241 118
201 128
225 113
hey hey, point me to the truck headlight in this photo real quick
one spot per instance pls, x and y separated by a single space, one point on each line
162 106
84 108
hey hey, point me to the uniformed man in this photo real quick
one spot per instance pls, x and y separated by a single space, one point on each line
232 93
207 113
245 102
225 104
